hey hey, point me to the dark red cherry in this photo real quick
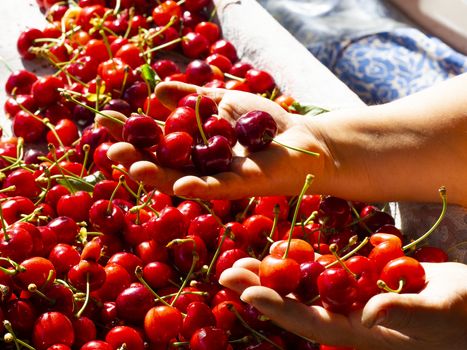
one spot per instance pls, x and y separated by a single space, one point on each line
255 130
220 126
174 150
52 328
198 72
214 157
209 338
141 131
20 81
207 106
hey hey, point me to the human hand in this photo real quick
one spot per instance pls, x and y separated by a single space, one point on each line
434 319
272 171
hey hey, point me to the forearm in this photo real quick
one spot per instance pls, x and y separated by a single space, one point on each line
404 150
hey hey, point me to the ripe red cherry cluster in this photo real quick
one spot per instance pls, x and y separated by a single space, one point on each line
194 135
344 282
91 260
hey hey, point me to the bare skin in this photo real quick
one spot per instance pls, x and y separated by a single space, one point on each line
431 320
400 151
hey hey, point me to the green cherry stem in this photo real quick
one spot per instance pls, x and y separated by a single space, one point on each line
333 250
276 212
86 300
310 153
382 285
351 253
443 195
139 276
308 180
198 120
218 250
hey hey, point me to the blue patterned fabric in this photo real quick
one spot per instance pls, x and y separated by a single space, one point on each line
371 47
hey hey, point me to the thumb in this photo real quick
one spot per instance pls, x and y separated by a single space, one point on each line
401 312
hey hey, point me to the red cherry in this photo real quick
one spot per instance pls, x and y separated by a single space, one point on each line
207 106
154 108
239 69
38 271
117 279
280 274
430 254
183 250
195 45
386 248
87 272
127 260
207 227
64 257
65 228
24 182
84 329
67 132
16 243
218 126
26 41
259 81
209 30
299 250
131 55
338 290
174 150
163 12
129 336
196 5
308 287
182 119
225 48
97 345
209 338
213 157
158 274
133 303
168 226
259 228
255 130
141 131
14 207
165 68
198 72
45 90
106 217
162 323
21 314
406 270
333 212
75 206
52 328
198 315
20 81
366 275
227 259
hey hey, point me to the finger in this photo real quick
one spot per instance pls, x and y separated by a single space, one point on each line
124 153
169 93
314 323
112 121
249 263
153 175
401 312
238 279
264 173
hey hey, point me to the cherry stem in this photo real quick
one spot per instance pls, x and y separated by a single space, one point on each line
137 208
443 195
234 77
6 236
32 288
247 326
190 272
86 149
121 180
11 337
68 96
310 218
114 167
310 153
139 276
57 164
86 300
198 120
276 211
245 211
218 250
308 180
351 253
163 46
333 250
382 285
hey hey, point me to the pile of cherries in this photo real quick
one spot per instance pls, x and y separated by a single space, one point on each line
89 259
